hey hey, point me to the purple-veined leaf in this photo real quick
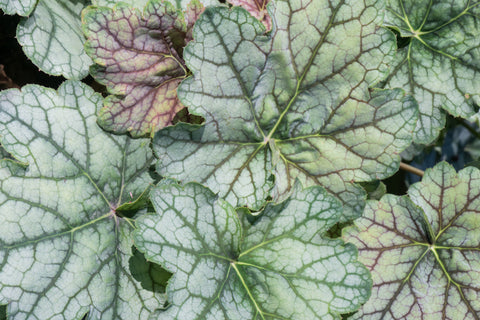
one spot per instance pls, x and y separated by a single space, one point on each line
440 61
138 58
423 250
292 104
257 8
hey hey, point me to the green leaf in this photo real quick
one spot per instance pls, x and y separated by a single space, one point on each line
440 64
52 38
423 250
20 7
64 251
139 63
257 8
294 103
139 4
279 268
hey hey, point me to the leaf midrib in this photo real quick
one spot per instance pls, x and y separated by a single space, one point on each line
302 76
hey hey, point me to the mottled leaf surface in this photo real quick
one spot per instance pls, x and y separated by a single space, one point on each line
278 268
424 250
440 65
63 250
138 61
52 38
139 4
294 103
20 7
257 8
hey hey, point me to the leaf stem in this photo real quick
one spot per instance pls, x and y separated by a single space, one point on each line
470 128
411 169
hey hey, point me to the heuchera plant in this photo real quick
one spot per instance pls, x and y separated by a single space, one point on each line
223 172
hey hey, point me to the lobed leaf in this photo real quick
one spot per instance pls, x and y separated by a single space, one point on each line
440 64
257 8
423 250
52 38
294 103
278 268
138 60
64 251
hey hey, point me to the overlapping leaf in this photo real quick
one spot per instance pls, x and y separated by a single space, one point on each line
63 250
279 268
257 8
424 251
52 38
139 4
139 61
20 7
440 65
294 103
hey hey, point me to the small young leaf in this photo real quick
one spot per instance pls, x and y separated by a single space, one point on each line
440 65
20 7
52 38
294 103
63 250
138 62
257 8
278 268
423 251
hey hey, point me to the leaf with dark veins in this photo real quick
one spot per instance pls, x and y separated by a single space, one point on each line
51 37
64 250
138 59
194 10
423 250
440 65
294 103
257 8
281 267
180 4
20 7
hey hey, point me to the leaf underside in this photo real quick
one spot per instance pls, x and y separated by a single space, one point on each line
440 65
278 268
423 250
63 250
293 104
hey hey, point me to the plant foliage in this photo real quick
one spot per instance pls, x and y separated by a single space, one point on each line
64 251
233 145
440 65
259 98
251 271
423 249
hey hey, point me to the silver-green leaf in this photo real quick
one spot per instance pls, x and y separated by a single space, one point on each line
53 39
20 7
64 251
292 104
423 250
140 4
278 268
440 64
